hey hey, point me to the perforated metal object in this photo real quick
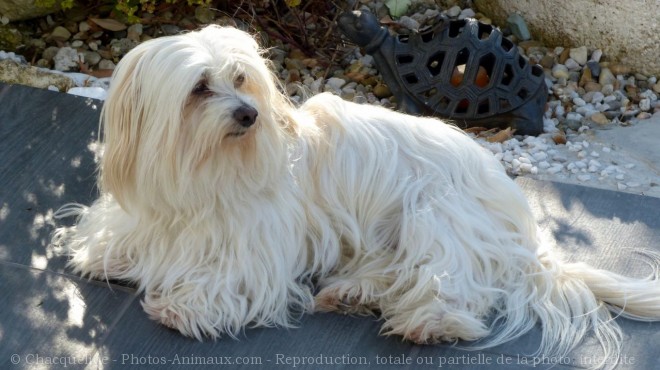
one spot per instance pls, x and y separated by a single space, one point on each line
464 70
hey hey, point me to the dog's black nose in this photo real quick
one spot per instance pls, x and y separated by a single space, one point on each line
245 115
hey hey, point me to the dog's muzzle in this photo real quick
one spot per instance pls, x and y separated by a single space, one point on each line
245 115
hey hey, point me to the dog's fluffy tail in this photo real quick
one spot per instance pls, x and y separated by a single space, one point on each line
637 299
572 300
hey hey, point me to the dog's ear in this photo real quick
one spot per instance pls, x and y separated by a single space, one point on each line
121 121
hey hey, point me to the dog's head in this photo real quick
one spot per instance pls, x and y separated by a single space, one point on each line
187 112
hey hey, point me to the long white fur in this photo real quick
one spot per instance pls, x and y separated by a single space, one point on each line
388 212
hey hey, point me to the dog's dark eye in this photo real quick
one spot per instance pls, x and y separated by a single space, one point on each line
201 88
240 79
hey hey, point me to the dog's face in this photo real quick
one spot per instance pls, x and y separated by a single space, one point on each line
185 112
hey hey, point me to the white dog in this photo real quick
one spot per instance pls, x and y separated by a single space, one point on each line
223 203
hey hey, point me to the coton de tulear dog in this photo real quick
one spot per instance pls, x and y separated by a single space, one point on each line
228 207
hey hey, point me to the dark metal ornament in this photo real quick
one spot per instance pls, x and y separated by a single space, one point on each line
495 86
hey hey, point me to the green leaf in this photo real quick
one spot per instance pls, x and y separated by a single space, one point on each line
398 7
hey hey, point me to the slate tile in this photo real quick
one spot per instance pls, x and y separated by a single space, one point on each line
45 141
47 317
604 228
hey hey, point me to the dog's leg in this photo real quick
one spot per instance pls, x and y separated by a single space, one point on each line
159 309
177 312
350 296
190 312
421 313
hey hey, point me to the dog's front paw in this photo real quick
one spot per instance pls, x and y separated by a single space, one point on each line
174 315
437 327
334 299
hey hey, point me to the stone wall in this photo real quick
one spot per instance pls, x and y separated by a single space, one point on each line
628 32
17 10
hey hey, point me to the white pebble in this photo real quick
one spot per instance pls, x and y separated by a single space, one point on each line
66 58
560 71
632 184
649 94
555 169
574 147
610 98
579 54
526 167
586 110
574 116
496 148
454 11
619 177
315 85
559 158
336 82
83 26
584 177
579 102
571 64
595 154
598 97
612 168
467 13
621 186
550 125
606 149
559 111
540 156
367 60
629 165
602 107
409 23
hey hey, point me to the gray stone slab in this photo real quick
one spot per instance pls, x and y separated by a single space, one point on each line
602 227
320 341
639 140
45 163
606 229
48 320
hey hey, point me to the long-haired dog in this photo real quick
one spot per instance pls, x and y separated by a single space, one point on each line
229 207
